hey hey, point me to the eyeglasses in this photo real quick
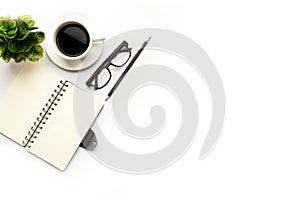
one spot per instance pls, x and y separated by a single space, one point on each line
118 58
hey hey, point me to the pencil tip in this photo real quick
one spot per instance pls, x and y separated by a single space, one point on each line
107 98
149 38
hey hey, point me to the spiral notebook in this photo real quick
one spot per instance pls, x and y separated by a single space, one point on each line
37 112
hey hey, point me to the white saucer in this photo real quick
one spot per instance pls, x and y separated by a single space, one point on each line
75 65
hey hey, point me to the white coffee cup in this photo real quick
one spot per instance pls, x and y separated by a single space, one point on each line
73 39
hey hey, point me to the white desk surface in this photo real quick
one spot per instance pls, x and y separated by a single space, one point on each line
255 46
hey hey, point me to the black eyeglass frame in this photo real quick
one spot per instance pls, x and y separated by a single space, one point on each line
106 64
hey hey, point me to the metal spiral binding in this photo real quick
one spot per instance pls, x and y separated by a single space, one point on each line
52 102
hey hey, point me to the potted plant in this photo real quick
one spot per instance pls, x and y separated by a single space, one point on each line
19 39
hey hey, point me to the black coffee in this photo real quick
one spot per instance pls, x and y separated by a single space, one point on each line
72 40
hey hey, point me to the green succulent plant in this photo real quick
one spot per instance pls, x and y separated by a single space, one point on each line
19 39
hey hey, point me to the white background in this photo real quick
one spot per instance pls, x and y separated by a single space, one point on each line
255 46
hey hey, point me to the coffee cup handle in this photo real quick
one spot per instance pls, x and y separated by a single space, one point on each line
99 39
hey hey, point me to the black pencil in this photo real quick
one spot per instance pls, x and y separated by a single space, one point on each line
127 69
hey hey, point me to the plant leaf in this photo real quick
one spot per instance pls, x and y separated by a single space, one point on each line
38 36
6 56
13 46
9 37
4 25
28 20
23 29
12 24
13 31
7 24
18 57
35 53
2 49
24 35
